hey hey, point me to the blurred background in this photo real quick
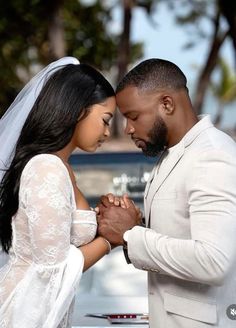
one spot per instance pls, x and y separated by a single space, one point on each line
113 36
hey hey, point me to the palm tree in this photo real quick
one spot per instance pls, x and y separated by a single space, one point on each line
224 89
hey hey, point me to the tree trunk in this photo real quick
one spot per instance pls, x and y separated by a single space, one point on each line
124 46
56 35
203 81
228 9
123 58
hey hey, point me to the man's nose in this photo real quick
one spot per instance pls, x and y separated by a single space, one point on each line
129 129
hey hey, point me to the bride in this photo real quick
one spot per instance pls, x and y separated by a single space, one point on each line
46 225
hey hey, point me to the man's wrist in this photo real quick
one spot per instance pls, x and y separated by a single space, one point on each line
125 239
125 245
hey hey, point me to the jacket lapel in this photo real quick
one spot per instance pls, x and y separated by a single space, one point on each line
156 181
159 178
152 174
148 185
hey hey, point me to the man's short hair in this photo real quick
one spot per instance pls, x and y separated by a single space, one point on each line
153 74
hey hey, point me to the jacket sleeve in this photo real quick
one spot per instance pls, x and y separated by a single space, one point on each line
210 252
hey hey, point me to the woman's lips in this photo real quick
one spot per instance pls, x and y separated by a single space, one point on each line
100 142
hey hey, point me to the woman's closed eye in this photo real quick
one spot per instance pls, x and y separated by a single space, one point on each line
106 122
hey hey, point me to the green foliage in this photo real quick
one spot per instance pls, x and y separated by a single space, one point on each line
18 30
86 36
196 16
224 88
24 42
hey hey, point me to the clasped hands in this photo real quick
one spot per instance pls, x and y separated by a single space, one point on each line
115 215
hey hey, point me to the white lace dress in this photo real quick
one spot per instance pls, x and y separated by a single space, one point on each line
38 284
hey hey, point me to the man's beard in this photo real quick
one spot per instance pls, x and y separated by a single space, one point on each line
158 139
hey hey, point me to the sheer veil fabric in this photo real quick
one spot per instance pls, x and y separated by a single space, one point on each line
12 121
39 280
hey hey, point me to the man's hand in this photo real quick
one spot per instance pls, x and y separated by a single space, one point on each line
114 220
122 201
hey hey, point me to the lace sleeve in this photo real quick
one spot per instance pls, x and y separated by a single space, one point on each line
54 274
46 199
84 227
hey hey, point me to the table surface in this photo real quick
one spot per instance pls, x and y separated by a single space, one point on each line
107 304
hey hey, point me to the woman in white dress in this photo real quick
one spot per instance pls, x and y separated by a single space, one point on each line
46 225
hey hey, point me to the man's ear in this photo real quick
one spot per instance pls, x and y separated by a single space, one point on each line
168 104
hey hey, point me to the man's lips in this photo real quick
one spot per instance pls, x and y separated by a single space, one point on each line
139 143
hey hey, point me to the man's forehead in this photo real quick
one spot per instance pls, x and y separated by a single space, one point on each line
131 96
129 89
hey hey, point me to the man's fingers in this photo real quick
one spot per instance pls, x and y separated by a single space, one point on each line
122 203
101 221
138 210
105 201
111 197
116 200
128 202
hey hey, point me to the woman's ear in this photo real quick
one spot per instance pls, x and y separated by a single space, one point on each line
168 104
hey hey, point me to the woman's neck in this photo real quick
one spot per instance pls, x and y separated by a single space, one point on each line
65 153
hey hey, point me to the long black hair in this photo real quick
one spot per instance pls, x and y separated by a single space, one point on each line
65 98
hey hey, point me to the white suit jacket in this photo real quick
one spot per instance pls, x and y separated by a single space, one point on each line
189 244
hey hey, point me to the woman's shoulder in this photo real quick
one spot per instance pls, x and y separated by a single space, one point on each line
46 158
43 164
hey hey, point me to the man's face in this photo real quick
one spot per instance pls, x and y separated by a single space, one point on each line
143 121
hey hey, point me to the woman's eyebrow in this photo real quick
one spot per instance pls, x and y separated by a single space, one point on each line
109 114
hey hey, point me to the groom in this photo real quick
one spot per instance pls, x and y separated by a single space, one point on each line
188 244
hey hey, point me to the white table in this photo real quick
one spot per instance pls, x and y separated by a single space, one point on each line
107 304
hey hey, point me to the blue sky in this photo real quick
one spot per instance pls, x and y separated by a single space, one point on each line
165 40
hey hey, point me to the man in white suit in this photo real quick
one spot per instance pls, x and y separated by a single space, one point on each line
188 245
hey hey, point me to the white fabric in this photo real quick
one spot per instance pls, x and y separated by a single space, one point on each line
13 120
38 284
189 250
3 257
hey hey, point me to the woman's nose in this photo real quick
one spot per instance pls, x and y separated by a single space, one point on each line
107 132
